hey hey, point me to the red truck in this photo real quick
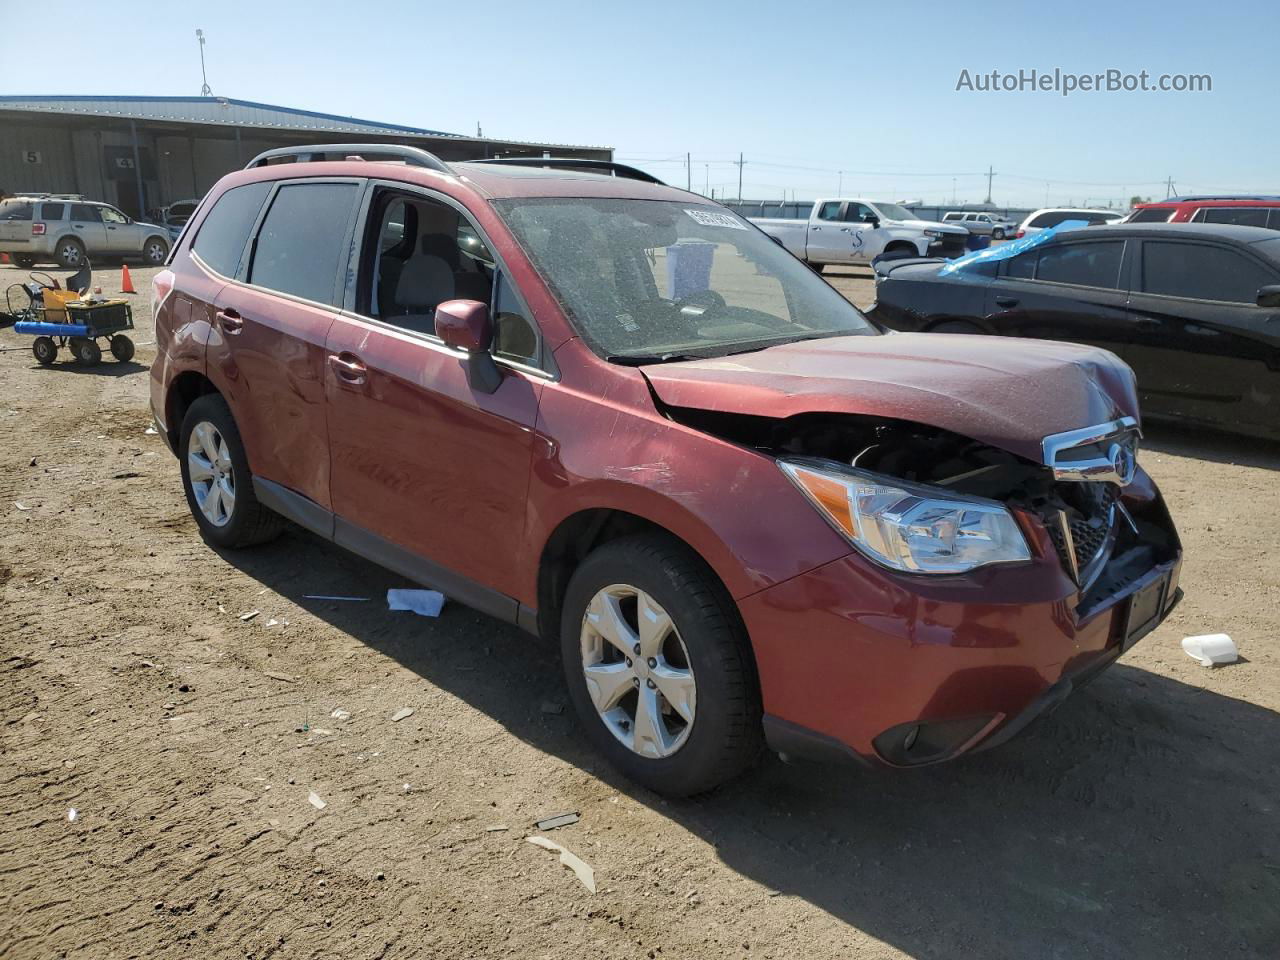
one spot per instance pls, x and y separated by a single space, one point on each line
623 418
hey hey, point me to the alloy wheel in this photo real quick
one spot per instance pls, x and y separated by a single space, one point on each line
211 474
69 255
637 671
155 253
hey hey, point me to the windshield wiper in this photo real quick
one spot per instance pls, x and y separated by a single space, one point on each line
641 359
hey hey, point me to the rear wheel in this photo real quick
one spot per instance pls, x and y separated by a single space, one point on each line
70 253
23 260
86 351
658 666
122 348
997 234
815 267
45 350
216 478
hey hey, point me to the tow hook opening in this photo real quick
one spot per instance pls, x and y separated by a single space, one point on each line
920 742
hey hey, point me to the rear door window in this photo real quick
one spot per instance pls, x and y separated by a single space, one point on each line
225 230
1082 264
1151 215
830 211
1244 216
303 239
53 211
1202 272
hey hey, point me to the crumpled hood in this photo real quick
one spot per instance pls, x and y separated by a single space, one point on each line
1006 392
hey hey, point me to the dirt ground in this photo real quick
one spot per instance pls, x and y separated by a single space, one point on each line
1142 820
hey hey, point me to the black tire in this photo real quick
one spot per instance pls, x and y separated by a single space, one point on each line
901 251
122 348
70 253
155 251
956 326
25 261
45 350
86 351
249 523
815 267
997 234
726 733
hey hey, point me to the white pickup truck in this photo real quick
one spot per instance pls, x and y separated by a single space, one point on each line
857 230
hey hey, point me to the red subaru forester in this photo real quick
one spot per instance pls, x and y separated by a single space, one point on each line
622 417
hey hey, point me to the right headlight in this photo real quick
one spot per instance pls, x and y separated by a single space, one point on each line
907 526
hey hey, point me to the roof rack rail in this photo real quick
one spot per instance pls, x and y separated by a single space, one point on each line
318 152
575 163
39 195
1199 198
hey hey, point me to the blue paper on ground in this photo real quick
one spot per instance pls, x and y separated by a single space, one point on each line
1012 248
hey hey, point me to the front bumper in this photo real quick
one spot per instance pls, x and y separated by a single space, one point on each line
949 246
859 662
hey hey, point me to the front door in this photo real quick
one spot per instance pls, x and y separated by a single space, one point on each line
121 235
1201 347
267 344
430 476
830 240
865 231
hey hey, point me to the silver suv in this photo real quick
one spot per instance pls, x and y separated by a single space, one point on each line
65 229
982 224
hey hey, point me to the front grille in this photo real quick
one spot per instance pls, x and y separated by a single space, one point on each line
1091 530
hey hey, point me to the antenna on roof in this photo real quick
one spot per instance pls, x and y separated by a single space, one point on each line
205 89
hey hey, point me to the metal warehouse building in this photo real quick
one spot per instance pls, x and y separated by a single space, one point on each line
145 152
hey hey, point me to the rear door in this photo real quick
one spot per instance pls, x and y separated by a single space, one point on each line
267 342
1202 348
87 227
1075 290
430 476
830 240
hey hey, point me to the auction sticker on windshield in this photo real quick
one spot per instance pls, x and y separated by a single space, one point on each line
709 218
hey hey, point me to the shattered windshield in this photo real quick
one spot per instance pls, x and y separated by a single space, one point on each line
653 280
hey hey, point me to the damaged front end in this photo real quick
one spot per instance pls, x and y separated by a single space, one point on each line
1087 498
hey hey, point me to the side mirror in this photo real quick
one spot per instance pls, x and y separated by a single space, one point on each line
465 325
872 219
1269 296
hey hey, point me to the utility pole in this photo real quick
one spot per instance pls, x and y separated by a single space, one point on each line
953 191
688 172
991 172
1168 188
840 189
740 162
706 183
205 90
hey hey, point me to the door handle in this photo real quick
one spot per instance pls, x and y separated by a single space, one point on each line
817 229
110 228
348 368
1006 301
78 226
230 321
844 230
1149 323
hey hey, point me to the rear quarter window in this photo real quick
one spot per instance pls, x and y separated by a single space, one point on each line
302 240
225 230
15 210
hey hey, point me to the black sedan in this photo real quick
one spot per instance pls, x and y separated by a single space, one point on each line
1193 308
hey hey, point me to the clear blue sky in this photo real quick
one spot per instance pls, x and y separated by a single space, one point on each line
804 90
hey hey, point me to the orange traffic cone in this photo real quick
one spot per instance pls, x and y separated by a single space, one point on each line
4 258
126 284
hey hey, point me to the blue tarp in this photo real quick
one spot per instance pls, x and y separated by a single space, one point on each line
1012 248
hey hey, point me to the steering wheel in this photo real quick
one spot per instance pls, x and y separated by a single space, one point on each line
708 299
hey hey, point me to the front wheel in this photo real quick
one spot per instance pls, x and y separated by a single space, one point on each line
658 666
155 251
815 267
216 478
45 350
